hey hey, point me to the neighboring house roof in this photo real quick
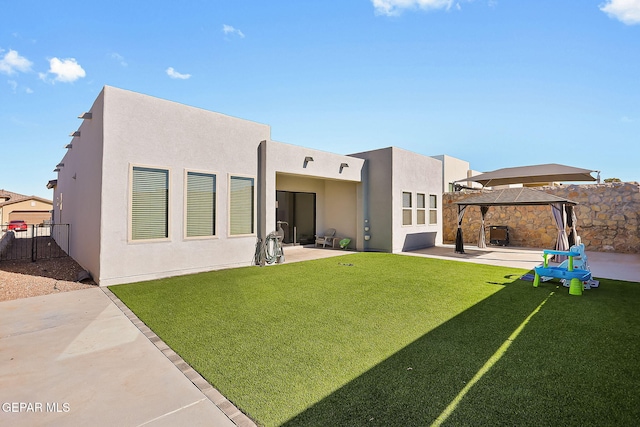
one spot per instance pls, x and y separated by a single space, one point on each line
514 196
21 198
535 174
10 195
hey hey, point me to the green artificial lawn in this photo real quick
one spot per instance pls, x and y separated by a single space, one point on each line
388 340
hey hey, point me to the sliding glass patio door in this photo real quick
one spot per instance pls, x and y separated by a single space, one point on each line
299 211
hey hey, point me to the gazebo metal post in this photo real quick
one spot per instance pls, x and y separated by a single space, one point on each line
482 240
459 241
571 223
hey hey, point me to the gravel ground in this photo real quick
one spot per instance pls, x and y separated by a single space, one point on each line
23 279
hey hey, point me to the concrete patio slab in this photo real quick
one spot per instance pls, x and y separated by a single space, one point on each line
604 265
307 253
512 257
75 359
610 265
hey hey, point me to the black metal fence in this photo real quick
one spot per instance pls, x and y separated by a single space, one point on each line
39 241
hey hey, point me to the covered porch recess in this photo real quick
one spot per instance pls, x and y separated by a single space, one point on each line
309 206
307 191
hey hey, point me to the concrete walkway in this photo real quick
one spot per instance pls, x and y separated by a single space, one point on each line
75 359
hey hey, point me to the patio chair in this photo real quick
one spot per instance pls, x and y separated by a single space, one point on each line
326 238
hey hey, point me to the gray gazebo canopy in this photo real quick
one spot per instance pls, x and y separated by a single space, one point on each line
514 196
561 209
535 174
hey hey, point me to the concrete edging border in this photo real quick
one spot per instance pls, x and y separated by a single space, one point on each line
229 409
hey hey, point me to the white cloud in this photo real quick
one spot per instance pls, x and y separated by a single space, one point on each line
14 87
12 62
627 11
395 7
176 75
228 29
119 58
66 70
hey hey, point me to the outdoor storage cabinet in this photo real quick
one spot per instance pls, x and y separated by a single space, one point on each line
499 235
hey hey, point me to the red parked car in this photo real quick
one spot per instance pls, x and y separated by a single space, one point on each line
17 225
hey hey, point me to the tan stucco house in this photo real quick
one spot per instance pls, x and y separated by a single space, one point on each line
31 209
153 188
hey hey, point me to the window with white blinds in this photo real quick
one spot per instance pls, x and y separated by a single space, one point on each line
201 204
241 205
433 209
420 209
407 211
149 203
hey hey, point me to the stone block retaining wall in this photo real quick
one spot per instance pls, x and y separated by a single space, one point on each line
608 218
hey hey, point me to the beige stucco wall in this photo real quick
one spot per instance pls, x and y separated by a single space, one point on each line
77 197
130 129
377 194
390 172
453 169
415 173
342 210
144 131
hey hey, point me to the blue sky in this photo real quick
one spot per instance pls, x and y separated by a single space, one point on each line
498 83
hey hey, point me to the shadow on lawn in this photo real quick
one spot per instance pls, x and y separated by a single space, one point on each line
534 384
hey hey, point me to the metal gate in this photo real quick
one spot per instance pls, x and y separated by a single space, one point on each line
38 241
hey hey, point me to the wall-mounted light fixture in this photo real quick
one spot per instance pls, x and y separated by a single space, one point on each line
56 170
307 159
343 165
68 146
74 176
60 165
87 116
76 133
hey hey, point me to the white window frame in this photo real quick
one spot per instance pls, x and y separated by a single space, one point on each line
421 209
130 237
407 209
186 206
433 209
230 176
